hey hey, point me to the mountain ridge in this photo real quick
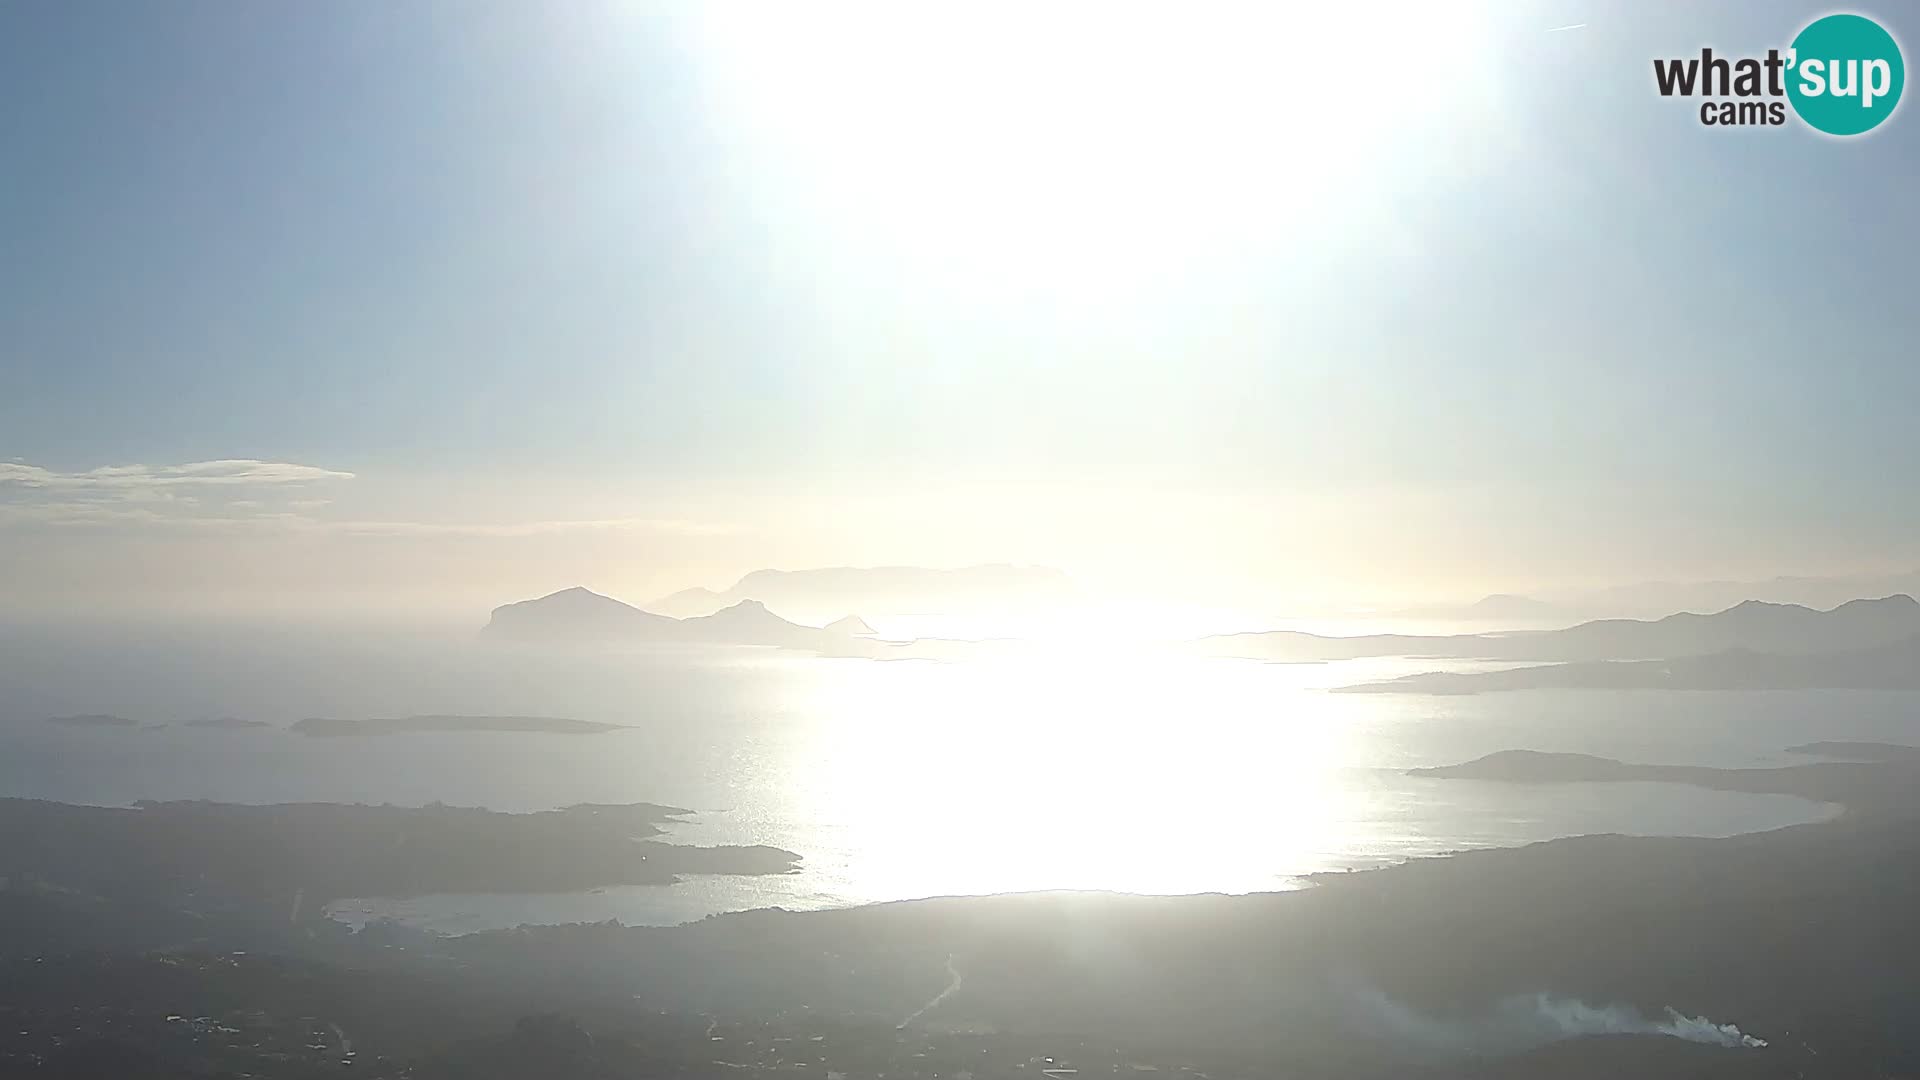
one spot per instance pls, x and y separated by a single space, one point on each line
579 614
1757 625
878 590
1890 666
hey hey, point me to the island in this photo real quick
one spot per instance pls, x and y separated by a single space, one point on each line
1858 784
578 616
851 625
92 720
325 727
213 856
1859 751
886 590
1893 666
1752 627
228 723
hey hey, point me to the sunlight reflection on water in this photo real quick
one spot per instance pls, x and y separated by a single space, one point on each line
1140 773
1112 768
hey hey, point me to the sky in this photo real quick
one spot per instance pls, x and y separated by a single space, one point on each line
443 304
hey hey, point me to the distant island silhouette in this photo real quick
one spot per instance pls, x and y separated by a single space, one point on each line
1641 599
92 720
878 590
580 615
323 727
1861 785
1860 751
228 723
1493 608
1786 629
852 625
1887 667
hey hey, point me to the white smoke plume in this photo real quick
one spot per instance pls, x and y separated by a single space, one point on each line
1576 1017
1527 1020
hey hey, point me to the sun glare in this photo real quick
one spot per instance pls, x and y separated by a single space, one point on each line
1049 772
1094 141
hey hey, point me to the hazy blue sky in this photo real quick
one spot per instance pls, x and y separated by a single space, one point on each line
650 296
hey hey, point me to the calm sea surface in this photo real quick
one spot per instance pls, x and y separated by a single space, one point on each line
1129 770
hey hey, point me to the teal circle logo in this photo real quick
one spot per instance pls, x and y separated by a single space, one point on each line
1845 74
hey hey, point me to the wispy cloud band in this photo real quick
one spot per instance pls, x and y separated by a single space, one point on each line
246 494
123 478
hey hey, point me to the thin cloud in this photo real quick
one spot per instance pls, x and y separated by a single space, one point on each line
248 495
223 473
223 493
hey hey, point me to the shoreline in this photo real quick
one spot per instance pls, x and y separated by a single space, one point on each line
655 907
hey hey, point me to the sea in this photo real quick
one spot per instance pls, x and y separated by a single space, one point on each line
1138 769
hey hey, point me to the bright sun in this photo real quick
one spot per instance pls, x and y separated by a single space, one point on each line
1084 133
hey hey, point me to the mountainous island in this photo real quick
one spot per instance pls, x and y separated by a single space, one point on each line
1641 599
1494 608
1895 666
1785 629
580 615
883 590
851 625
